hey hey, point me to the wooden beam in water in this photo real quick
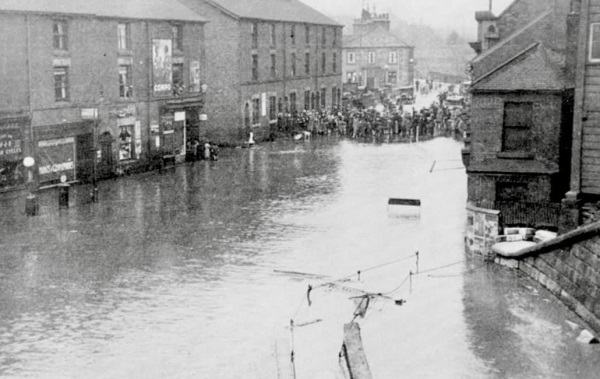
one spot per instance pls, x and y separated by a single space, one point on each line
409 202
354 353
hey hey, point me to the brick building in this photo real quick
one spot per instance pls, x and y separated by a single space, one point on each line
96 87
521 113
374 58
267 58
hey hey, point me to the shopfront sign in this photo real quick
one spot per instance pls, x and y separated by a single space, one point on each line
56 157
162 65
89 113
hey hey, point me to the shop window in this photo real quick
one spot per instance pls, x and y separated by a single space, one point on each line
333 96
254 34
351 58
280 105
61 83
334 63
255 111
60 36
178 81
323 97
125 84
254 67
126 143
124 32
518 120
312 101
272 108
247 115
177 37
595 43
273 66
307 63
392 77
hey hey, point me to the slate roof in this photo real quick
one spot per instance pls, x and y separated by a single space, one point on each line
378 37
274 10
535 68
128 9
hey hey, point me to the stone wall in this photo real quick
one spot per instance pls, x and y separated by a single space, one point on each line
569 267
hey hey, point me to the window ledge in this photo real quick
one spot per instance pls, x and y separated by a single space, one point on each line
515 155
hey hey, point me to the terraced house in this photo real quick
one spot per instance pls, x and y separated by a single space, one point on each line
92 88
267 59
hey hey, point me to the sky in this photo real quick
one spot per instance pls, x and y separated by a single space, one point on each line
456 15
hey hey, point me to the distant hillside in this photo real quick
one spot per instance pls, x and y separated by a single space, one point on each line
436 50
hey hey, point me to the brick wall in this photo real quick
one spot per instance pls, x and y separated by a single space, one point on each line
568 266
13 60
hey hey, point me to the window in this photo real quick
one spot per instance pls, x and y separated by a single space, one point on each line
307 34
323 36
293 35
126 142
335 36
312 100
306 99
323 62
255 111
254 33
351 58
124 36
254 67
392 77
178 83
61 83
273 36
323 97
273 66
518 120
60 39
350 76
293 100
393 57
371 57
333 96
247 115
334 63
293 59
177 37
125 85
595 43
272 108
307 63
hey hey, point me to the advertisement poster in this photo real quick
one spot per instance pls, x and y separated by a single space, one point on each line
195 76
56 157
162 67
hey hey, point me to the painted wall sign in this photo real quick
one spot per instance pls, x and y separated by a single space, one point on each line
162 65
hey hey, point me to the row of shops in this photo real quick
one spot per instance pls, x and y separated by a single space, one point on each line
100 143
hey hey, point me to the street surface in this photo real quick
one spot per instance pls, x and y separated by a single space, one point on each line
196 273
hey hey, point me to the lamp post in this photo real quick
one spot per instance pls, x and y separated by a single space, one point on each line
31 202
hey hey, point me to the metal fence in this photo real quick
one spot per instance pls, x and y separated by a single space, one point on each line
535 215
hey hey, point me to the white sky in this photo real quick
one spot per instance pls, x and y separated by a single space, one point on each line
449 14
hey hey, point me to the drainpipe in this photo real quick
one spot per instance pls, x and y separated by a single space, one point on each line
31 202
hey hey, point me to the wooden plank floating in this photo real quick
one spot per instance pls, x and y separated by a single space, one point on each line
354 353
409 202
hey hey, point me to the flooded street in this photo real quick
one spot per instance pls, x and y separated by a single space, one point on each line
196 273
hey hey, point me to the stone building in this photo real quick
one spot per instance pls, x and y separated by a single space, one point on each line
267 58
521 121
92 89
374 58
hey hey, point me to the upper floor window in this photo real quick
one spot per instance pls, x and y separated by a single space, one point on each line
351 58
595 43
393 57
60 35
125 85
273 39
273 66
254 67
307 63
334 63
254 34
323 62
177 37
371 57
307 34
293 59
124 36
178 81
324 36
293 35
255 111
518 121
335 37
61 83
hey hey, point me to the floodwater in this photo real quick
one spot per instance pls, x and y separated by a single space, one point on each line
196 273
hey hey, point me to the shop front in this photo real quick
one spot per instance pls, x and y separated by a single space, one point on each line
180 123
11 151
